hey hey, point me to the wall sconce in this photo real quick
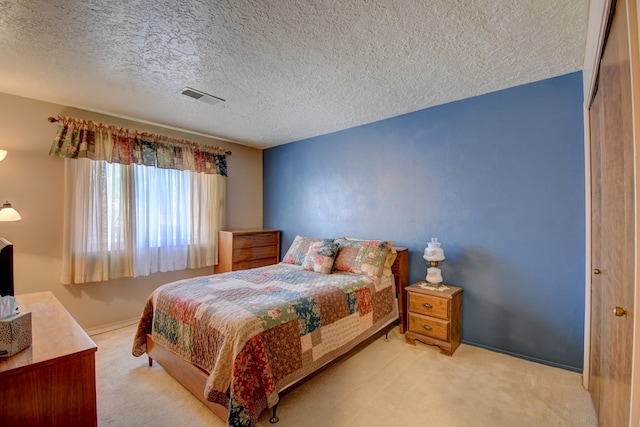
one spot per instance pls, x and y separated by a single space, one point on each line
433 254
8 213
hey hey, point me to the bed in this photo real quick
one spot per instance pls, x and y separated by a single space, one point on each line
239 340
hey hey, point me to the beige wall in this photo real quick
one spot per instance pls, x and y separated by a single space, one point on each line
33 182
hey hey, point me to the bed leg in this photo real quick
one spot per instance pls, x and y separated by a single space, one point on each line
150 361
274 419
386 335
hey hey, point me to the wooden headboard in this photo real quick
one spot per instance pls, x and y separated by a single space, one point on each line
400 269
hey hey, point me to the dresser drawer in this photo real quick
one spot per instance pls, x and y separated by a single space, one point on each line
256 252
254 263
429 326
429 305
255 240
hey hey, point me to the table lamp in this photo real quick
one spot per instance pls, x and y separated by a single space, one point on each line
434 254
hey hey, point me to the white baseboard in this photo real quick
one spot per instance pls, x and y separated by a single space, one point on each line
111 326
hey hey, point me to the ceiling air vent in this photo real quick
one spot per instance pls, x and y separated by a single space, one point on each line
201 96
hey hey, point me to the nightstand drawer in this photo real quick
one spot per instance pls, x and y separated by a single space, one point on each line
429 305
429 326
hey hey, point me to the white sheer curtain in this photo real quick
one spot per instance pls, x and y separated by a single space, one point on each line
134 220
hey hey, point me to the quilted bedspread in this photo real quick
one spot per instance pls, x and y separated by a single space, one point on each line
257 331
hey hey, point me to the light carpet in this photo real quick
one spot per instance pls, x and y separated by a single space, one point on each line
385 384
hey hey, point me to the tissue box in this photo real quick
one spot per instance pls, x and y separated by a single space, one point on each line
15 334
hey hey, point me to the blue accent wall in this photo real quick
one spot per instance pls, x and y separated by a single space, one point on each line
498 179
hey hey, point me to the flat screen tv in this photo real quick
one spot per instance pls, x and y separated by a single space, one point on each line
6 267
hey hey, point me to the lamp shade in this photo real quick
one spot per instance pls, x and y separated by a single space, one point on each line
3 154
433 251
8 213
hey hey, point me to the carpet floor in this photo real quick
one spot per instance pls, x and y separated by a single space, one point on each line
385 384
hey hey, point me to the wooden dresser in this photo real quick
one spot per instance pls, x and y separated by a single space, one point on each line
52 382
435 317
243 249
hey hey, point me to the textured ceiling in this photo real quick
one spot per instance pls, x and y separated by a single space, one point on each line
287 69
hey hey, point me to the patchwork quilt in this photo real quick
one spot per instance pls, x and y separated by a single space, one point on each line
257 331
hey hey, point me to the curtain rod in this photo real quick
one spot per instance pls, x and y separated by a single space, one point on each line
52 119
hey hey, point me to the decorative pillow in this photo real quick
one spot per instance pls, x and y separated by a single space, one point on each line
299 248
362 256
391 258
320 257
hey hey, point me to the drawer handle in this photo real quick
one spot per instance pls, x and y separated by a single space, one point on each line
427 305
427 327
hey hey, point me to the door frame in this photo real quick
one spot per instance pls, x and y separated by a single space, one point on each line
634 45
598 17
599 11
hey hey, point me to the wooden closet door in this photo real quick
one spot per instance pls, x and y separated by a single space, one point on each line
612 230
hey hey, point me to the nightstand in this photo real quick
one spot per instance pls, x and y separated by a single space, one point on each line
435 317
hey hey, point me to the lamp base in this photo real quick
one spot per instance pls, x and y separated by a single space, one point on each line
434 275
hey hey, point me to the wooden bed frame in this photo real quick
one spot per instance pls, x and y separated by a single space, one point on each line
194 379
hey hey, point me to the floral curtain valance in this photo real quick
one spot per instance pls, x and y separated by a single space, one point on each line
96 141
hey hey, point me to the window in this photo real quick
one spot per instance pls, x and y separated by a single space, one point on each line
134 220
